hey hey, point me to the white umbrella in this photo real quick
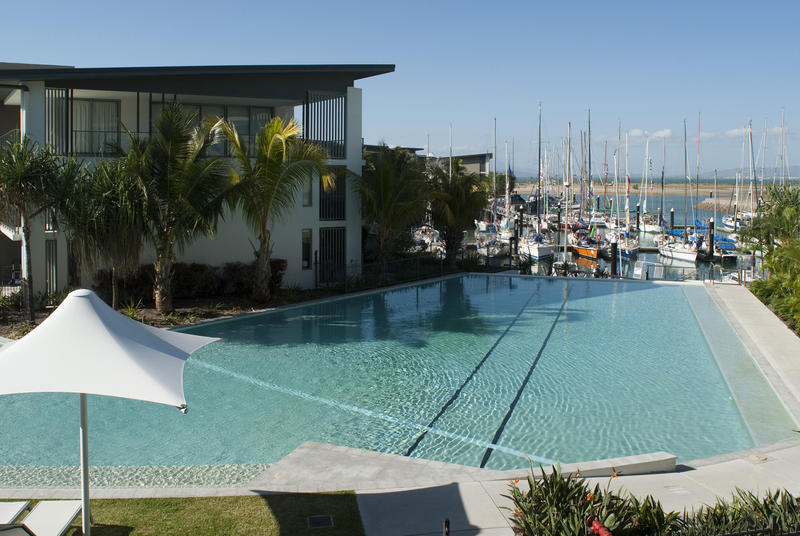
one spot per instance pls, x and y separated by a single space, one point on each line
86 347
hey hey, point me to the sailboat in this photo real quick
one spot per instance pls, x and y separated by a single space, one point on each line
563 267
668 246
627 245
537 245
650 223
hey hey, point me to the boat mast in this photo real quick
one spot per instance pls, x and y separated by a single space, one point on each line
783 148
763 158
645 177
715 208
589 147
583 175
508 196
752 164
605 174
539 175
450 160
567 184
663 166
627 188
685 180
616 171
494 175
697 171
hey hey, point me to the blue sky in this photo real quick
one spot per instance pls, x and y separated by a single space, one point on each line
648 64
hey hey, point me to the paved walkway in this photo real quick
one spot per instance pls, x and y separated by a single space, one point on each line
408 496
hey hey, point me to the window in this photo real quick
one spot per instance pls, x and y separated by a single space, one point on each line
239 117
95 126
247 120
307 192
50 221
331 255
332 201
306 241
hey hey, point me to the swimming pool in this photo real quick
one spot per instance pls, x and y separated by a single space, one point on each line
479 370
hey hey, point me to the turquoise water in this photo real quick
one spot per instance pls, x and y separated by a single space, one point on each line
475 370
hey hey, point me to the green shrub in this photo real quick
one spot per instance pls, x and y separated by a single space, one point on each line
562 505
277 269
44 300
196 280
524 264
136 287
237 279
471 262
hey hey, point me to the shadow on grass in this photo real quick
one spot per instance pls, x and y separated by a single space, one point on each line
292 510
103 530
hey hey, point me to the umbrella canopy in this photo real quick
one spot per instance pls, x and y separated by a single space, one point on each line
86 347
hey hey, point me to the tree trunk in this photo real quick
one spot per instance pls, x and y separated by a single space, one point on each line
73 267
263 272
114 288
27 282
164 268
452 243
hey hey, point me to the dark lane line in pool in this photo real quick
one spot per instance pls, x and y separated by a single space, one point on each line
472 374
514 402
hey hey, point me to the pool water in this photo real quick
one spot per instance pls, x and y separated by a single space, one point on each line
480 370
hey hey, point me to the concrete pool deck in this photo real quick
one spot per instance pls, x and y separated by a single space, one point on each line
408 496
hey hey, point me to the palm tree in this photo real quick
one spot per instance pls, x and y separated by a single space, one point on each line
185 192
394 195
778 217
268 181
118 224
456 201
72 198
25 172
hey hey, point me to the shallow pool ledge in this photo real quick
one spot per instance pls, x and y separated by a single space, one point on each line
314 467
640 464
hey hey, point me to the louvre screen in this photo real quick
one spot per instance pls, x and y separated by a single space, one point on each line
332 262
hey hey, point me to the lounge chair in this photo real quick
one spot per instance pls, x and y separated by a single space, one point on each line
52 518
11 510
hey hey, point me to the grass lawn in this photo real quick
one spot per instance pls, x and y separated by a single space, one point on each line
271 515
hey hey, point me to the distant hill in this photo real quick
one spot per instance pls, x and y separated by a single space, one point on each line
769 172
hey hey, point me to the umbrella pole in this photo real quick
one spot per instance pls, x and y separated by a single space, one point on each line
85 512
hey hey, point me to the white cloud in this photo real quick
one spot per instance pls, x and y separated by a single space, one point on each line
735 132
662 134
637 133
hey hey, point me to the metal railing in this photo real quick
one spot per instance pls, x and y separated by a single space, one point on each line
10 280
363 276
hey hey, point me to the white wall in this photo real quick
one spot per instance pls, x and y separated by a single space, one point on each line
32 125
234 241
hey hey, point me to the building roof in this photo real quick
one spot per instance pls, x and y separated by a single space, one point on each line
371 148
261 81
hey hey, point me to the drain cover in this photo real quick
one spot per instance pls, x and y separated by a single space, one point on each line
319 522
